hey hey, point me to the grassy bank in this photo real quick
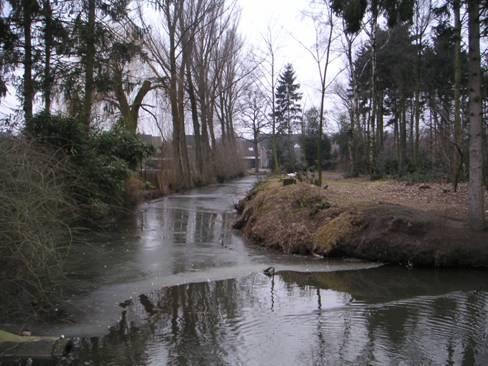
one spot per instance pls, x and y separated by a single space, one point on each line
349 219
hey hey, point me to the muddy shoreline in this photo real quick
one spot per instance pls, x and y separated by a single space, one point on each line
302 218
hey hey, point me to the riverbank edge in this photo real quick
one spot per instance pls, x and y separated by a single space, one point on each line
147 195
300 219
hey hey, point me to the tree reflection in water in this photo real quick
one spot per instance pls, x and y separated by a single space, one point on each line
382 316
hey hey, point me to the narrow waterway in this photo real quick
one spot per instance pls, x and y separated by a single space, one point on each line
175 285
178 239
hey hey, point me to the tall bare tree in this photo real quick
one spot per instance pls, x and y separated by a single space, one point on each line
421 22
168 57
475 186
255 117
321 54
353 104
271 53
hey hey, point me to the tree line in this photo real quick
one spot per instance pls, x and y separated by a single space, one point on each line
416 98
85 74
414 101
110 60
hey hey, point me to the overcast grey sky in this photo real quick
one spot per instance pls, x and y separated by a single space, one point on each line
290 28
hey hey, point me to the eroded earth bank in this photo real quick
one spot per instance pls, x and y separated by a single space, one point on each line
353 218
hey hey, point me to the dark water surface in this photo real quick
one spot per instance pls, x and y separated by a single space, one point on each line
384 316
178 239
196 295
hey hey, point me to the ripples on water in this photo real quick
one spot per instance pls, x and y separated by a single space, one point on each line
384 316
376 317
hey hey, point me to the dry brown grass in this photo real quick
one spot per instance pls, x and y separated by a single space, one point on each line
341 229
286 217
348 218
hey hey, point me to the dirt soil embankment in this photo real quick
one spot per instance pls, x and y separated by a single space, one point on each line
305 219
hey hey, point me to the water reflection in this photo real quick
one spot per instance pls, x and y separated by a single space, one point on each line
177 239
306 319
382 316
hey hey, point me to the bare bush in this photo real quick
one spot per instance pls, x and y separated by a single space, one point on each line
168 177
34 234
228 162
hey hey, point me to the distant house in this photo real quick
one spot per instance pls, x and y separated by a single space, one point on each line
246 148
154 141
281 141
248 154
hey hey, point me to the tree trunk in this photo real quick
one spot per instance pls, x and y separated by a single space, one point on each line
89 64
256 152
372 146
412 131
133 118
354 112
48 44
322 99
130 113
187 181
28 83
210 117
403 136
418 80
319 139
222 117
196 123
396 137
379 123
475 188
173 97
274 146
457 161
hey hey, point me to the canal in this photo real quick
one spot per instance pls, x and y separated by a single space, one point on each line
175 285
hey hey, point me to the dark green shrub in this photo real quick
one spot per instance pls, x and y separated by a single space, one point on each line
100 161
58 132
309 147
122 144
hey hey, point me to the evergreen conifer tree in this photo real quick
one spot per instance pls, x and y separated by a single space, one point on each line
288 114
288 108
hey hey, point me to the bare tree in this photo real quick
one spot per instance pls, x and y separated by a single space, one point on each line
195 50
206 70
422 17
169 54
271 52
457 150
255 117
475 186
229 88
321 54
354 113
